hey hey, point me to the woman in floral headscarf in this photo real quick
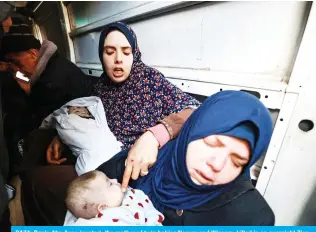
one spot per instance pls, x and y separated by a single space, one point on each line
143 110
135 96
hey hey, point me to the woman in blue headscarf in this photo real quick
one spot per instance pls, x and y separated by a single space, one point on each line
202 177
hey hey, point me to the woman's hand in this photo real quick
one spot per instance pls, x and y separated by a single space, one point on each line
142 156
54 151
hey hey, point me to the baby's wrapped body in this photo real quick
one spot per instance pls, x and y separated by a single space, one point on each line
81 125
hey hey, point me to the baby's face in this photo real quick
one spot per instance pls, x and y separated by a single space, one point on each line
80 111
112 192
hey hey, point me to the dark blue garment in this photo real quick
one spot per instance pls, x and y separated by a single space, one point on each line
231 113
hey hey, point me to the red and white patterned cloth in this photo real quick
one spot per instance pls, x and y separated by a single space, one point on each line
136 210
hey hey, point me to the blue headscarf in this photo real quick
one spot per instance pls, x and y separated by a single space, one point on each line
231 113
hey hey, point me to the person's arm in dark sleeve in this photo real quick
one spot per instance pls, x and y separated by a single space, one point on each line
114 168
3 196
80 84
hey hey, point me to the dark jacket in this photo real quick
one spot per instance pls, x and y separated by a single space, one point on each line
243 205
4 164
60 82
4 159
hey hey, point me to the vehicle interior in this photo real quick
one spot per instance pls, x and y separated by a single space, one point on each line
267 49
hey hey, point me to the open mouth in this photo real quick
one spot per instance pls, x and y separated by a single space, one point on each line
118 72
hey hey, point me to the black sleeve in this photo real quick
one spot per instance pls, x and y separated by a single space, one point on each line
81 84
4 157
249 209
114 168
236 207
3 196
253 210
4 164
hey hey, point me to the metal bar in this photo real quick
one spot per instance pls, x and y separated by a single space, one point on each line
65 25
304 67
140 12
37 6
276 142
8 3
265 82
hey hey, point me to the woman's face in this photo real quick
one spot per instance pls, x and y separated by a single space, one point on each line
117 56
216 159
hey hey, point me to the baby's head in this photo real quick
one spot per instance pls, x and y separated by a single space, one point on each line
91 193
80 111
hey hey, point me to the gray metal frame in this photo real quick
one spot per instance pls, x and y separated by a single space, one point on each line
144 11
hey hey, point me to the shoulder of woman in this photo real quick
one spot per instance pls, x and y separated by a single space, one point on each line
251 208
152 72
241 206
99 85
154 79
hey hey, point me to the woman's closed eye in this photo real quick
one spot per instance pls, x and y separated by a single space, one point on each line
238 161
127 51
213 141
109 52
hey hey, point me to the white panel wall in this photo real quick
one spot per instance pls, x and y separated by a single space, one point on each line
243 37
292 187
257 38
